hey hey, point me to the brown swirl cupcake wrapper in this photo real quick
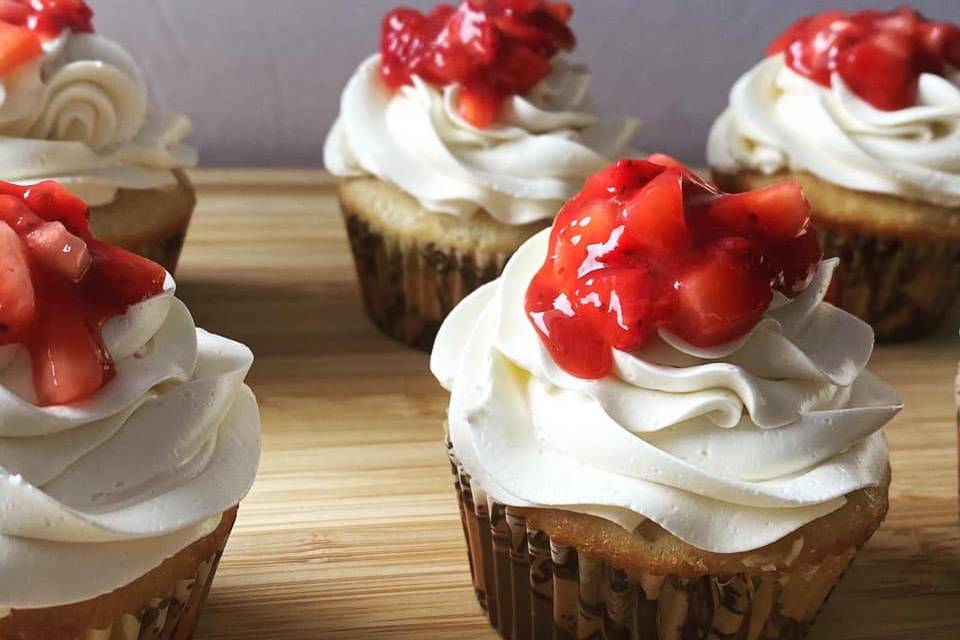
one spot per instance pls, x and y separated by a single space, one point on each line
535 588
408 288
170 616
902 287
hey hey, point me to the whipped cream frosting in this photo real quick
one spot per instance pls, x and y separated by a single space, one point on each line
80 115
729 449
520 169
98 493
778 120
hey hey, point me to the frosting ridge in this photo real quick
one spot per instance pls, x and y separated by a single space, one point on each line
520 169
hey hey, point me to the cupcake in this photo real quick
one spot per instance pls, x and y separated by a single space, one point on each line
863 110
127 435
74 108
658 428
454 145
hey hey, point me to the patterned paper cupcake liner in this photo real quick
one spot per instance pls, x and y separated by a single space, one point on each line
903 288
409 288
534 588
172 616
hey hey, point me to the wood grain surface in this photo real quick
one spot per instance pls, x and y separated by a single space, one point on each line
352 531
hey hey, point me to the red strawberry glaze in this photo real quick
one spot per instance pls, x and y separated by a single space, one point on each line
60 286
880 55
492 48
648 245
25 24
48 18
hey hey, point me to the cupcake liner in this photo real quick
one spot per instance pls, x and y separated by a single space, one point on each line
171 616
902 287
535 588
409 287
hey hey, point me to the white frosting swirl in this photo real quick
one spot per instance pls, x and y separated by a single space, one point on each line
520 169
779 120
80 115
98 493
729 449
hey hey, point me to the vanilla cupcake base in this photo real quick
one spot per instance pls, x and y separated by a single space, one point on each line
538 576
165 604
899 260
152 223
413 265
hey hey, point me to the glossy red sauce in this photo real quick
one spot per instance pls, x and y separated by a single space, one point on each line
880 55
491 48
25 24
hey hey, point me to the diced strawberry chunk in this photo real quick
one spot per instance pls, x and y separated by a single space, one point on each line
17 302
723 298
798 260
493 49
18 46
574 343
59 251
15 12
624 299
52 202
777 213
655 218
648 245
879 55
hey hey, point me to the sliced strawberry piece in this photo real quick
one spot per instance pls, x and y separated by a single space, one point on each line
59 251
18 46
622 176
17 301
519 68
798 260
777 213
478 106
69 359
584 234
723 298
15 213
878 70
655 218
52 202
575 345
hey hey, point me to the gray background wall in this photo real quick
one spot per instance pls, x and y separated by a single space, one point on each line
261 80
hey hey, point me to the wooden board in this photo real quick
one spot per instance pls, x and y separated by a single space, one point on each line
352 531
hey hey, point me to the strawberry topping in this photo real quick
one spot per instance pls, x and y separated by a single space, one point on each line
647 245
879 55
25 24
491 48
48 18
60 286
